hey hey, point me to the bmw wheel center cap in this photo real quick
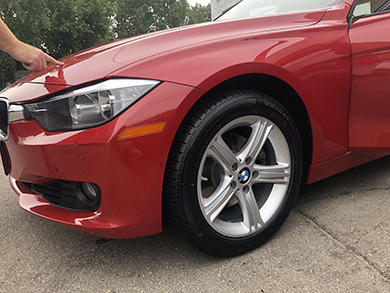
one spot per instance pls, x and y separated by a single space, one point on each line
244 176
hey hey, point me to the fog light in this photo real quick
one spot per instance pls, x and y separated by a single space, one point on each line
90 193
70 195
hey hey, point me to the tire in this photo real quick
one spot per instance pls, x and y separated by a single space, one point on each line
233 173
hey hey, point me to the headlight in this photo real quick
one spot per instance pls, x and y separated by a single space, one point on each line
90 106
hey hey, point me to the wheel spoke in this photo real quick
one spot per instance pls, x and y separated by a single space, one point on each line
220 152
260 132
276 174
214 205
250 210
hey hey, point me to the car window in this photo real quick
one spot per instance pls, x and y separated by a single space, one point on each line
265 7
365 8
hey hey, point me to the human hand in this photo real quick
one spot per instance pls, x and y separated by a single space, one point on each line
33 59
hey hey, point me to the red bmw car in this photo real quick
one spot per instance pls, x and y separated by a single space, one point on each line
213 126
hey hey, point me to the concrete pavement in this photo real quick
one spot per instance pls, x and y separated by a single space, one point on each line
337 239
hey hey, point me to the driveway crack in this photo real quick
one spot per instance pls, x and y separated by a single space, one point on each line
349 250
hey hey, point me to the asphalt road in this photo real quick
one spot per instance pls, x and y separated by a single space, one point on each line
337 239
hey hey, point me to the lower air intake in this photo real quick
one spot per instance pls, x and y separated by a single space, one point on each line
70 195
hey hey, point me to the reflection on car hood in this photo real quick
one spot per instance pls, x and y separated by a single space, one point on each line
103 61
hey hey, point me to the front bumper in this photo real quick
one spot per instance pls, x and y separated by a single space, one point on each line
129 172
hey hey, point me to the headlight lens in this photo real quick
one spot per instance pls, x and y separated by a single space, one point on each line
90 106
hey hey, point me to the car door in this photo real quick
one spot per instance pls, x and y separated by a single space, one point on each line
369 120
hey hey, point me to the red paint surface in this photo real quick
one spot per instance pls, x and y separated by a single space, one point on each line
339 73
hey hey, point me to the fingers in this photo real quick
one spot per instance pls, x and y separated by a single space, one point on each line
50 59
36 64
28 66
40 62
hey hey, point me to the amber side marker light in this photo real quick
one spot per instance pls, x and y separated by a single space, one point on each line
141 130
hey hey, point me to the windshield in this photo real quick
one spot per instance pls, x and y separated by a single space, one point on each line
247 8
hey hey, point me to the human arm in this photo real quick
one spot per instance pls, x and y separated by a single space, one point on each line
32 58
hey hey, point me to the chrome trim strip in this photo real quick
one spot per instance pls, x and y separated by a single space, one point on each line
15 113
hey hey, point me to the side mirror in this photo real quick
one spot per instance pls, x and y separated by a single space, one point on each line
360 11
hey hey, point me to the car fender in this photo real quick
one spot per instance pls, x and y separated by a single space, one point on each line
309 60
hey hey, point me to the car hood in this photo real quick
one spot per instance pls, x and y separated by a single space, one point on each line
112 59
